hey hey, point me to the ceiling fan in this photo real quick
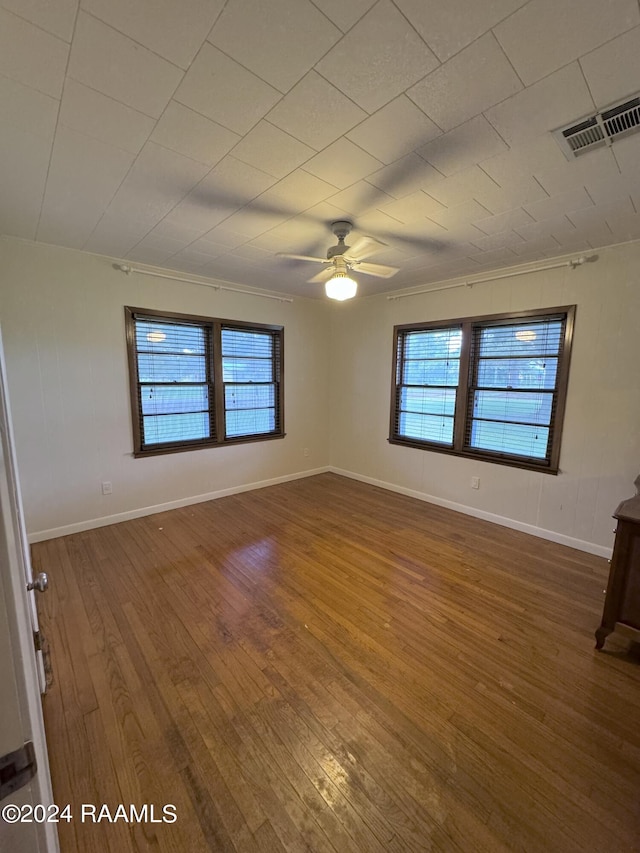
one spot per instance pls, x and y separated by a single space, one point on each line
342 259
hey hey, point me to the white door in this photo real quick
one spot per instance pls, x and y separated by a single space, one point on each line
20 669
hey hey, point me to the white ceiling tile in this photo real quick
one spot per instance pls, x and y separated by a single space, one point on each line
473 80
268 148
462 186
595 214
145 255
193 135
576 243
174 29
315 112
24 159
378 59
301 235
188 265
253 220
103 118
379 135
116 236
558 204
405 176
559 225
494 258
598 166
413 207
206 247
27 109
460 214
613 70
536 246
471 142
285 39
224 236
158 180
191 258
105 60
378 223
627 154
155 241
196 214
31 56
501 199
500 240
84 175
359 198
625 227
233 183
55 16
252 253
176 234
553 102
344 13
533 156
448 27
323 214
503 221
545 35
342 163
224 91
597 234
295 193
149 188
607 189
460 239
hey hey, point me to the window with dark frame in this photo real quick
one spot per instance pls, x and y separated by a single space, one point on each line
202 382
491 388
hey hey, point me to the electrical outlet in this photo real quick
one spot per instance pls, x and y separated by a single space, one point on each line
106 487
306 451
475 482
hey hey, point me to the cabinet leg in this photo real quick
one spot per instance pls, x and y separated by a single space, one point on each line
601 635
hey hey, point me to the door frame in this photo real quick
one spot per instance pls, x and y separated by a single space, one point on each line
22 618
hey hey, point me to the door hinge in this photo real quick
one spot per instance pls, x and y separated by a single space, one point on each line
37 640
17 769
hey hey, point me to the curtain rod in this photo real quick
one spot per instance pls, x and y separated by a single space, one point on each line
573 263
127 270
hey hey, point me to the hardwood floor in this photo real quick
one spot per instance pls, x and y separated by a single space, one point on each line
325 666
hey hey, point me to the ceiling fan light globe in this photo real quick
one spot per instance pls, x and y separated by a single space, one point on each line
341 287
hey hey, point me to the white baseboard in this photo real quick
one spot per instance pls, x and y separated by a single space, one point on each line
104 521
551 535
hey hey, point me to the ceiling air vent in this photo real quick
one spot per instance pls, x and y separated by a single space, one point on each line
599 129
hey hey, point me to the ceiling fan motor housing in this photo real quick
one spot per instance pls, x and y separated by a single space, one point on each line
340 228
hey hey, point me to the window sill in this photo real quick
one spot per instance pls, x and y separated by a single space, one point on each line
478 455
204 445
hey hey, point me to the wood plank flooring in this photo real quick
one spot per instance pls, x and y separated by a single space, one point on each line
326 666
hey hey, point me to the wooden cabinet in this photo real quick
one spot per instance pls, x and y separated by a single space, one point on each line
622 603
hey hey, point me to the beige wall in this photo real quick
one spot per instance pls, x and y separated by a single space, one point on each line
601 443
63 328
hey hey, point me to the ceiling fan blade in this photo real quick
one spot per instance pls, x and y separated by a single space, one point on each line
380 270
323 275
364 247
302 258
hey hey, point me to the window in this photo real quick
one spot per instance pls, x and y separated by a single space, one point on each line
199 382
491 388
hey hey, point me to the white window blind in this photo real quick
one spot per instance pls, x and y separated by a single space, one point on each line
198 381
489 387
174 382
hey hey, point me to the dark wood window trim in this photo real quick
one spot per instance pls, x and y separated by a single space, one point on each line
212 329
469 328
